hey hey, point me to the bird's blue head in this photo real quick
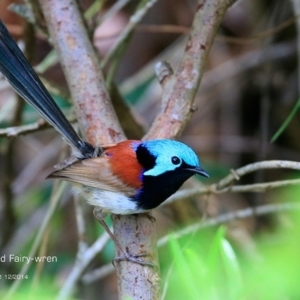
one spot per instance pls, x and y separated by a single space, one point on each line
166 165
161 156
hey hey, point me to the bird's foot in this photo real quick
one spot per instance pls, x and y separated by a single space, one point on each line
134 259
147 215
150 217
99 214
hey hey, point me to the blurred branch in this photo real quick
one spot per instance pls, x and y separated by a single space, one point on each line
57 192
8 209
271 164
258 187
97 274
253 188
230 68
29 128
83 260
26 231
132 128
225 184
179 29
245 62
296 6
168 28
235 215
42 252
43 155
81 228
38 18
32 221
114 9
133 21
24 129
49 61
94 9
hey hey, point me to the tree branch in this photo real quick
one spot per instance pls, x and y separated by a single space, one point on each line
271 164
82 262
179 93
134 20
235 215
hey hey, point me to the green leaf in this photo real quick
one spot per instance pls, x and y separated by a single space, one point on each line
183 268
232 269
286 122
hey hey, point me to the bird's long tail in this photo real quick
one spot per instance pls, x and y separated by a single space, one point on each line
15 67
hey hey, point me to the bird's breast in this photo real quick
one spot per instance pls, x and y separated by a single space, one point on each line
124 164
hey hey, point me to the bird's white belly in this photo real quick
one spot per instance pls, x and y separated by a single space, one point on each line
108 201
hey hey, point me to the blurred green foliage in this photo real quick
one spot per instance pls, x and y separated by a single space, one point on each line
208 266
43 290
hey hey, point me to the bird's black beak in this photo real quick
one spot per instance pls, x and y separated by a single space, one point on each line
198 171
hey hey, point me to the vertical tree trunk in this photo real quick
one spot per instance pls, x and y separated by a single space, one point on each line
99 123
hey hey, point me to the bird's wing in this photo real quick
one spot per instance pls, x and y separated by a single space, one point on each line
96 173
73 158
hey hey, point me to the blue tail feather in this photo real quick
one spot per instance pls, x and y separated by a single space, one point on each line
15 67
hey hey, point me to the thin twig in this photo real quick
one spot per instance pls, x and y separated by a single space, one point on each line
253 188
179 29
24 129
81 263
29 128
42 252
81 228
225 184
235 215
36 165
271 164
258 187
225 70
169 28
95 274
114 9
133 21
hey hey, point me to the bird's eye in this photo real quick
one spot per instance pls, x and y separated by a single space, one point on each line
175 160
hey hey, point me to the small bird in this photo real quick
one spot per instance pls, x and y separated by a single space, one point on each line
129 177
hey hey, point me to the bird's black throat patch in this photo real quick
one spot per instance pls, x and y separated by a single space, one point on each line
156 189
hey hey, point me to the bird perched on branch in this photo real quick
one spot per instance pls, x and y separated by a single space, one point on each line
129 177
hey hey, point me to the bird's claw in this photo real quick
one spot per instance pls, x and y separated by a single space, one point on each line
150 217
134 259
